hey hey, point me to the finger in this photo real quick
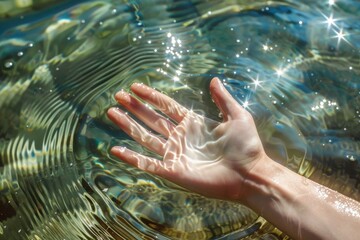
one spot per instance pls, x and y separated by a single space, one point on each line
147 115
142 162
228 106
162 102
136 131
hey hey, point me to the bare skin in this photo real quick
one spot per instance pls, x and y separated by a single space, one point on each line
227 161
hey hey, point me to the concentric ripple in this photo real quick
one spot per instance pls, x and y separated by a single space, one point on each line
294 66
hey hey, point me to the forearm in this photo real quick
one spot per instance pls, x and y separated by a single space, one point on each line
298 206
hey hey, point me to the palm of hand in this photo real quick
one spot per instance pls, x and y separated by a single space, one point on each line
200 154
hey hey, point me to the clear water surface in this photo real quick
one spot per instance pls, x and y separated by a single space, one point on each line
295 65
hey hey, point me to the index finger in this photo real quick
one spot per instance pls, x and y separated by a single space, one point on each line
162 102
228 106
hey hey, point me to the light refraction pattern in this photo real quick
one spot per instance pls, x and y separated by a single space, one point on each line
293 64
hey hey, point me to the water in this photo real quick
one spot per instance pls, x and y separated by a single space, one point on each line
295 66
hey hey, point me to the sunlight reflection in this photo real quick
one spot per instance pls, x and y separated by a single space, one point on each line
256 82
340 35
246 104
338 31
325 104
280 72
331 2
330 21
173 54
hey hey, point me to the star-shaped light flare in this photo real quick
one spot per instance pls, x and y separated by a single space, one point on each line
330 21
341 36
256 82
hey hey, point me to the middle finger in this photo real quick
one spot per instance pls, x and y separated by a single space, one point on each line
147 115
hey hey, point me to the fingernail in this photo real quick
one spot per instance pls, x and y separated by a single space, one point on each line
121 149
140 85
112 110
122 96
114 114
118 149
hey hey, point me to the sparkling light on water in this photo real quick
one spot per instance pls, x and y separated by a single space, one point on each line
331 2
330 21
333 25
174 53
256 82
324 104
294 67
340 36
280 72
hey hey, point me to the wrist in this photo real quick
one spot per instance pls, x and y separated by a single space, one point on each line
271 187
289 201
283 197
263 183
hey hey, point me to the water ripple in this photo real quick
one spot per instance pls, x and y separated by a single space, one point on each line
58 76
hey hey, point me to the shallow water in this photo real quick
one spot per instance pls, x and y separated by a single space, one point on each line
294 66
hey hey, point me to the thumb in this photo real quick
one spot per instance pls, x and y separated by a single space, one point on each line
228 106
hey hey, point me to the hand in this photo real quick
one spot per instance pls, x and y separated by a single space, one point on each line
202 155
